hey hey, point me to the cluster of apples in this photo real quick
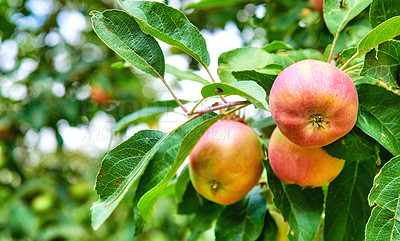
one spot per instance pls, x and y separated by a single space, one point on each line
313 104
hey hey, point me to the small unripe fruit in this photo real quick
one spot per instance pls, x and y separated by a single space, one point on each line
313 103
303 166
226 162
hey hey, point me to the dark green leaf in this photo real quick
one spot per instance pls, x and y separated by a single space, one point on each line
243 220
120 169
347 194
270 229
204 218
385 64
168 158
263 76
384 223
382 10
277 45
338 13
189 201
121 33
379 115
346 54
185 75
247 89
170 26
246 58
301 207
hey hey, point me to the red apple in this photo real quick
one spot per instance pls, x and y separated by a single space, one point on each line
226 162
303 166
313 103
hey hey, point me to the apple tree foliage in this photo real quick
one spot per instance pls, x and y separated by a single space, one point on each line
362 203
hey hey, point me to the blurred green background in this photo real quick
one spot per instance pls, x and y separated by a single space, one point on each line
62 89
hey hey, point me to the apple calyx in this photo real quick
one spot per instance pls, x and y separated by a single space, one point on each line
317 121
215 185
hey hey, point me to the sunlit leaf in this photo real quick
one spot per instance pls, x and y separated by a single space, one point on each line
247 89
338 13
170 26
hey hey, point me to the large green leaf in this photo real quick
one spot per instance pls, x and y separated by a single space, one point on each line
384 223
338 13
120 169
300 207
247 89
379 116
170 26
166 161
381 33
385 64
347 194
382 10
245 58
264 76
244 220
122 34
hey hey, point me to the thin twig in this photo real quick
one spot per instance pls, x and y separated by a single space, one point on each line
223 99
173 94
209 73
353 67
333 47
197 104
229 104
351 59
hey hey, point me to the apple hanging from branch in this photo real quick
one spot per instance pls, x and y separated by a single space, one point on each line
226 162
313 103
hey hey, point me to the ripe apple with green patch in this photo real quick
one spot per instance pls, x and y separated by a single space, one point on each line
313 103
226 162
303 166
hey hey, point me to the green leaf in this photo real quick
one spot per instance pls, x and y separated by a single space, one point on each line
170 26
379 115
301 207
120 169
382 10
276 45
243 220
207 4
189 201
338 13
245 58
381 33
384 222
263 76
185 75
120 32
270 229
204 218
169 156
287 58
247 89
384 64
326 53
347 193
